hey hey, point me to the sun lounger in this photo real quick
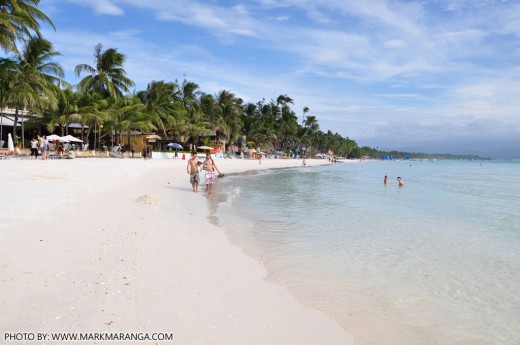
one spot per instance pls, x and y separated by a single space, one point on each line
116 152
57 156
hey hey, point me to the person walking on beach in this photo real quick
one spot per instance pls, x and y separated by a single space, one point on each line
385 180
44 146
34 148
193 169
401 183
122 150
133 151
210 167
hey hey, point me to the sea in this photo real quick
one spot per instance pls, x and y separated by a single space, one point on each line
434 262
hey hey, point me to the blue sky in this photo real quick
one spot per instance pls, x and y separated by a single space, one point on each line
429 76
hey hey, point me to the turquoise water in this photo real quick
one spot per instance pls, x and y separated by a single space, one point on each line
434 262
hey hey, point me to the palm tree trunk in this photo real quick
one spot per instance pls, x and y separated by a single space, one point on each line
1 122
15 124
89 128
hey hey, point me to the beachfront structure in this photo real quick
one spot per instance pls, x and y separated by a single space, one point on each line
26 128
7 121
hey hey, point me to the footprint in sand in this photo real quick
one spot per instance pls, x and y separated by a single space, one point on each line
146 200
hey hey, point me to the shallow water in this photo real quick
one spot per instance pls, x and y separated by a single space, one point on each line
434 262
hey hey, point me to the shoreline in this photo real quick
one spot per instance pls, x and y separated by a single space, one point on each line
141 255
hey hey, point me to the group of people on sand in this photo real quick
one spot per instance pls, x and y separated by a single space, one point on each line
39 144
122 151
195 166
42 145
399 181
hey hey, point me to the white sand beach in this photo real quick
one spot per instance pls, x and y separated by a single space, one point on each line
124 245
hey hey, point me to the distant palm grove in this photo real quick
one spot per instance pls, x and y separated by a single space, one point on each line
104 104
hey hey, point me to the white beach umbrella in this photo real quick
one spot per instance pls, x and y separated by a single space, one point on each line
10 144
53 137
153 136
71 138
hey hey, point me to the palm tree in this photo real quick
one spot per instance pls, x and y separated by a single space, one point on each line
18 20
188 94
264 128
310 130
60 116
8 68
257 127
250 121
286 121
161 104
89 106
108 78
74 107
284 101
126 114
33 78
229 109
305 111
208 106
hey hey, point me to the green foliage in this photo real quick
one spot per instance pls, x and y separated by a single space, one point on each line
108 78
206 142
19 21
376 154
30 81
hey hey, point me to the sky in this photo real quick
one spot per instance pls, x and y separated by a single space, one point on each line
422 76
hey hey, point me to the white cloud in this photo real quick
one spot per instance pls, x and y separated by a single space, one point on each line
101 6
106 7
395 43
280 18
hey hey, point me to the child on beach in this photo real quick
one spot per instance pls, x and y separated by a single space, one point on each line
34 148
44 146
193 170
210 167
